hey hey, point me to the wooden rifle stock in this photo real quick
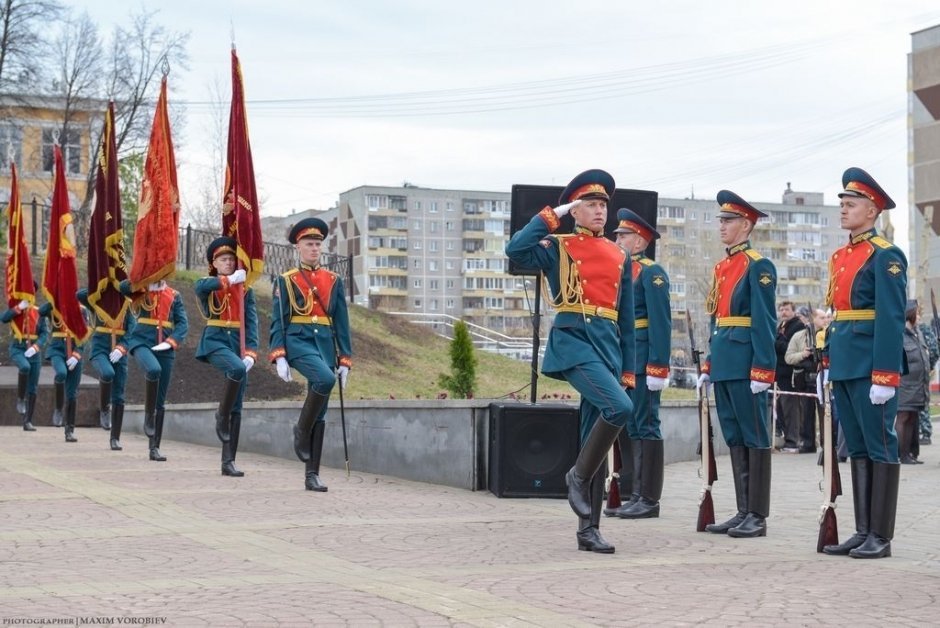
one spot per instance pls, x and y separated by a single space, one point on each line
832 482
613 491
708 469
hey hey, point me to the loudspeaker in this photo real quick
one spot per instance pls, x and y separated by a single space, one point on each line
528 200
531 449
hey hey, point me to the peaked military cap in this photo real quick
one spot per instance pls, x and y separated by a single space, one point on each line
221 246
308 228
628 220
589 184
860 184
733 206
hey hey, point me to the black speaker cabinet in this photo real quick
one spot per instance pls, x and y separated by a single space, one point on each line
528 200
531 449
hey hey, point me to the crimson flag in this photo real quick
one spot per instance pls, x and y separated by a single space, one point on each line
19 283
156 239
106 265
60 277
240 212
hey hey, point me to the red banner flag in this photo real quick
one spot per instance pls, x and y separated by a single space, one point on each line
106 265
241 218
19 283
157 237
60 276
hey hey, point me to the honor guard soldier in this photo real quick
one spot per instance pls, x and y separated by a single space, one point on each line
653 321
109 359
65 354
310 332
868 294
226 308
30 332
161 328
742 361
591 344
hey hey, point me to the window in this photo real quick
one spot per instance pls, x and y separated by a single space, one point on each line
416 264
434 284
433 305
450 284
432 265
417 303
449 264
71 151
416 245
450 304
11 136
417 283
433 210
450 245
432 246
416 225
375 201
449 225
432 226
417 204
493 303
449 206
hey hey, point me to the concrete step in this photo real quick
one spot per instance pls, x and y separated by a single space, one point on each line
86 415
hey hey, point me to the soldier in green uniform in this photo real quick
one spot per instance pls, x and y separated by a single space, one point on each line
161 328
310 333
109 358
868 295
65 353
591 344
742 362
30 334
223 304
653 320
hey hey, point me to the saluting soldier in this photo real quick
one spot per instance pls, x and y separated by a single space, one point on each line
161 328
868 294
30 334
109 358
742 362
310 332
653 321
65 353
225 308
591 343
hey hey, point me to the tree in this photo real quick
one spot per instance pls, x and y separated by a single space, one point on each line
463 362
23 45
131 175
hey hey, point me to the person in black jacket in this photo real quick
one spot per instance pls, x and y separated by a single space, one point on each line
788 406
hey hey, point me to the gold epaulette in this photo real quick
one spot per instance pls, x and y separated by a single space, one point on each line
646 261
754 255
288 274
880 242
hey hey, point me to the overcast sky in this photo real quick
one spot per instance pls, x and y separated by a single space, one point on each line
669 96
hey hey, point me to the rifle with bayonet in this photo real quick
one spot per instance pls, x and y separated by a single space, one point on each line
708 470
832 480
936 319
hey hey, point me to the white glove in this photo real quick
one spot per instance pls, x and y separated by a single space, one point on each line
561 210
163 346
29 352
656 383
283 369
156 287
758 387
237 277
249 362
115 356
22 305
342 374
71 363
703 379
821 380
880 395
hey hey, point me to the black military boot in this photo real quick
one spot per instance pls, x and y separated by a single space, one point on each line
313 405
117 422
739 471
157 437
58 413
861 501
223 416
758 496
104 405
631 455
313 482
651 483
593 453
70 407
589 534
30 409
884 507
230 448
150 407
22 380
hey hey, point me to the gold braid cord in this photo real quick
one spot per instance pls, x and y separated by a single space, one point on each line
216 310
303 310
569 282
829 290
711 301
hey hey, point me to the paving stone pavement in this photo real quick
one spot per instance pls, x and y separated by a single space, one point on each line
94 537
